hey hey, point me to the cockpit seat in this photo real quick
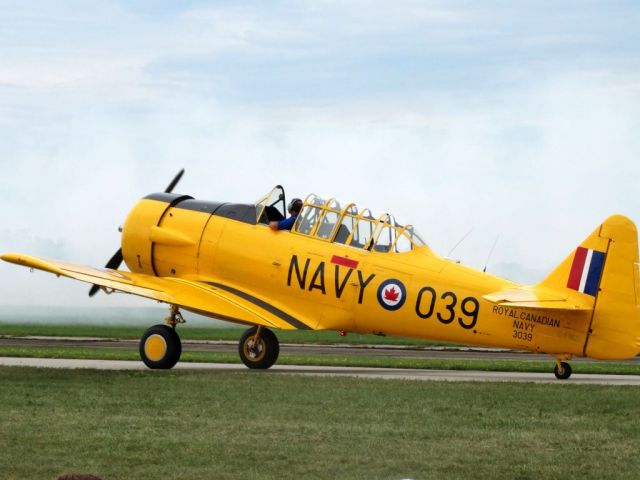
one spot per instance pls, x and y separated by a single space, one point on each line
342 235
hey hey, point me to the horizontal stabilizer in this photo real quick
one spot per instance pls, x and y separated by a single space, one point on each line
536 297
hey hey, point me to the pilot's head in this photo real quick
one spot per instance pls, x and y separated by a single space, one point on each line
295 206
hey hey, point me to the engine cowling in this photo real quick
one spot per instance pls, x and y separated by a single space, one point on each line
175 235
162 233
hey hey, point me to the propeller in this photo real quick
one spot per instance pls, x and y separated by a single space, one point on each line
117 258
174 182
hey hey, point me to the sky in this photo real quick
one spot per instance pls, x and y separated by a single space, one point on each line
515 121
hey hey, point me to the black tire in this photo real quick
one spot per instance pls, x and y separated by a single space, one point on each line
266 353
160 347
563 371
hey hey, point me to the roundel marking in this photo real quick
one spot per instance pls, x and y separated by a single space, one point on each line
392 294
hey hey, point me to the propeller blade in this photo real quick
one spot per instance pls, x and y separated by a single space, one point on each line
115 261
113 264
94 290
174 182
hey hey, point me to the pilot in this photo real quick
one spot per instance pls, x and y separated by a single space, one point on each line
294 208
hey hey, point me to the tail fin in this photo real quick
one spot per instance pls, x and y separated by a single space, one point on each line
604 270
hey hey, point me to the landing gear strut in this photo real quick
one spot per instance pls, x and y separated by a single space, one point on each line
160 346
259 348
562 369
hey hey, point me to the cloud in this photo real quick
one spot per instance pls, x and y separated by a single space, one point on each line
249 50
451 116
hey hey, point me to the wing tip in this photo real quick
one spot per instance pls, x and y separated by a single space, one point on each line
31 262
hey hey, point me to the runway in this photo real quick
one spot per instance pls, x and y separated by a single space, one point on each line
434 353
377 373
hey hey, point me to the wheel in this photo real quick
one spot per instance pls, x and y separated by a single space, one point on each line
562 371
261 354
160 347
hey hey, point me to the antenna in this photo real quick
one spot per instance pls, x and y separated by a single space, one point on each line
459 242
490 253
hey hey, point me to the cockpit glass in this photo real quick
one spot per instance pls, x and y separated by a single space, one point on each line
414 236
403 243
328 223
385 239
307 219
345 229
334 205
362 233
271 207
343 224
315 201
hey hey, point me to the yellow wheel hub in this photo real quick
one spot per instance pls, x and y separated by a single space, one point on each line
155 348
254 352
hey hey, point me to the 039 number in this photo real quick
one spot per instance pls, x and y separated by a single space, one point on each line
468 309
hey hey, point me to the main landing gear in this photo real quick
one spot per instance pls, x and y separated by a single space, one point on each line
259 348
562 369
160 346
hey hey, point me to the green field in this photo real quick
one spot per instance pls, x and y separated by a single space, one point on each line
188 425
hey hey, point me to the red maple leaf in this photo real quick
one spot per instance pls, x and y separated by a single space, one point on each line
391 294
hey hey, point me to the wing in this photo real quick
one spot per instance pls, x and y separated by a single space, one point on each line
537 298
210 298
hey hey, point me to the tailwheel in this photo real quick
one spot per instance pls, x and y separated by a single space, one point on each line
160 347
562 370
259 348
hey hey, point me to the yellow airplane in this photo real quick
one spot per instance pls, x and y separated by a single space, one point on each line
343 269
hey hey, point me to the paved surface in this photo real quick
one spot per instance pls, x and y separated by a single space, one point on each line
383 373
440 353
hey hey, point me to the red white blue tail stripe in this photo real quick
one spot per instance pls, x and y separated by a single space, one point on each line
586 271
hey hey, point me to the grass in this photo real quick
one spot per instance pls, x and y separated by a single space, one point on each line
200 333
157 425
331 360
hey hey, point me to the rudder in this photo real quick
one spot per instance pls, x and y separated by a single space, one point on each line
603 271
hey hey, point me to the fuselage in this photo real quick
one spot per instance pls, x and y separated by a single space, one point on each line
331 286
